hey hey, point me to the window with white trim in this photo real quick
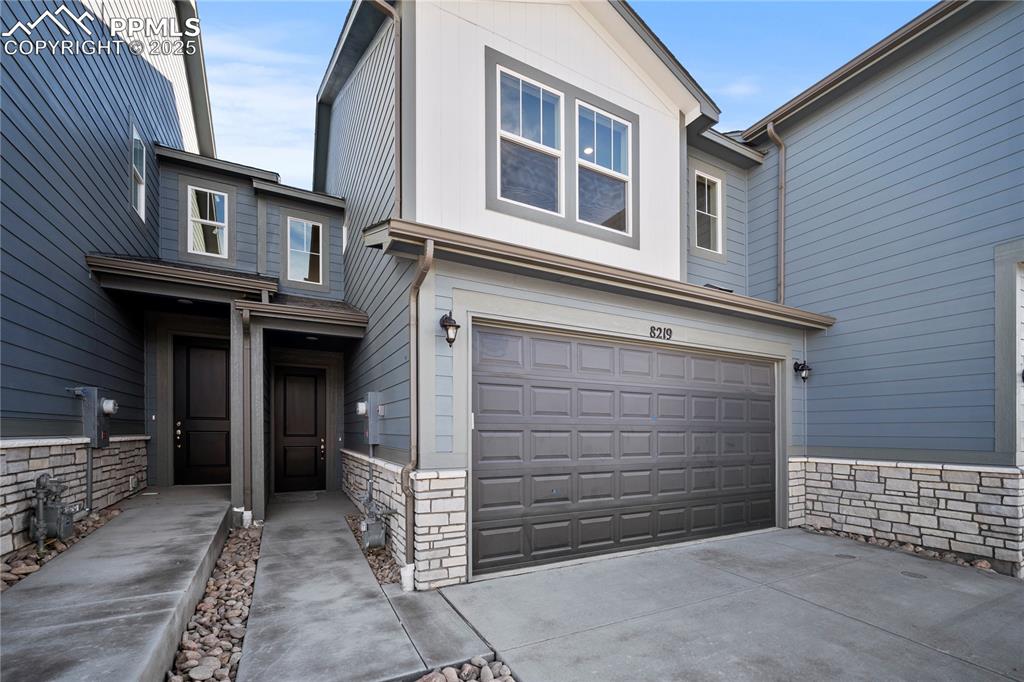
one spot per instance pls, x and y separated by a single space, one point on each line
305 246
707 206
529 143
208 222
602 168
138 174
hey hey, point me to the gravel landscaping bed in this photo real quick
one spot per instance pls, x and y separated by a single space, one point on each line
476 669
909 548
27 560
211 645
384 566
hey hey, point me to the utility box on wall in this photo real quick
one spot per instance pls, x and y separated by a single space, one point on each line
372 409
96 414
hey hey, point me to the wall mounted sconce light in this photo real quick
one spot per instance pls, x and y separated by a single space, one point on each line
450 327
802 368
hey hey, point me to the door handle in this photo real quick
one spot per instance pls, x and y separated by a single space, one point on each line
177 434
323 448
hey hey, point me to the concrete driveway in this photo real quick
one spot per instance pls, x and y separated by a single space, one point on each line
782 604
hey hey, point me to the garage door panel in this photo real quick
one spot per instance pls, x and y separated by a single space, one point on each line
495 399
549 355
499 446
583 447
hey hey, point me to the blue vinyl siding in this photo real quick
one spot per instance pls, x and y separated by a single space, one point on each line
732 274
762 227
65 178
361 168
897 194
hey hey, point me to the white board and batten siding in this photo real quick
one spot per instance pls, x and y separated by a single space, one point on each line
563 40
897 194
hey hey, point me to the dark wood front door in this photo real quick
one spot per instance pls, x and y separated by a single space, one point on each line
300 433
202 421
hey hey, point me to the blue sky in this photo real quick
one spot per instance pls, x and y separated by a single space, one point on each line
265 61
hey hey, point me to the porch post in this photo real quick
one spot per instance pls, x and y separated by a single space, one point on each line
257 438
237 408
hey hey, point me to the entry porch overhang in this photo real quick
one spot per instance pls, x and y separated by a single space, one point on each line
260 327
409 238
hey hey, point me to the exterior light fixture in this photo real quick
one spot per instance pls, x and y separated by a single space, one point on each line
450 327
802 368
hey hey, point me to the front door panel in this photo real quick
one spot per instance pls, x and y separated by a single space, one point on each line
300 445
202 423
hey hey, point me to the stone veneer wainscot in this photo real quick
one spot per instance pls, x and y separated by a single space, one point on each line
387 490
441 537
972 510
22 460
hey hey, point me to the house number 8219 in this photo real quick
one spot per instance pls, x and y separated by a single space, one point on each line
661 333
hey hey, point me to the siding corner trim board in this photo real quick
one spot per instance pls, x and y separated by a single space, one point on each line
400 235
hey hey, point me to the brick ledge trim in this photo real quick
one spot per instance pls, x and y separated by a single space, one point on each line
1008 469
374 461
6 443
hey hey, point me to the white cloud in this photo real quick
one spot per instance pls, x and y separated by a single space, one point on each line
263 100
742 87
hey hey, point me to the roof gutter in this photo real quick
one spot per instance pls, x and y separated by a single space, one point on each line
929 19
426 261
390 11
780 274
402 236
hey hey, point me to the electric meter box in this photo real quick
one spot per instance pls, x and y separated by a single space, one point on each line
96 414
374 412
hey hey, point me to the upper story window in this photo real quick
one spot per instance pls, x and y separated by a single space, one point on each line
708 212
305 245
208 222
558 155
603 168
138 174
530 144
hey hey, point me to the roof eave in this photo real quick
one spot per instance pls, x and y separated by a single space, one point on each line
709 111
195 75
400 235
873 55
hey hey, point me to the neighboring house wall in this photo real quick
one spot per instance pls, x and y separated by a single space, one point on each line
562 41
898 193
65 175
729 270
361 168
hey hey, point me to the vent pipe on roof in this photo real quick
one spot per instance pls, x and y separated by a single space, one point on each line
781 257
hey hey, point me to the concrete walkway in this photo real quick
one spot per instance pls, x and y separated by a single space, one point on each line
781 604
114 605
318 612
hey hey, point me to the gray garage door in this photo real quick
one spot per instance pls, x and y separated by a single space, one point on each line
584 446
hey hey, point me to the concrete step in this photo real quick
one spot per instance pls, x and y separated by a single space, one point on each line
115 604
